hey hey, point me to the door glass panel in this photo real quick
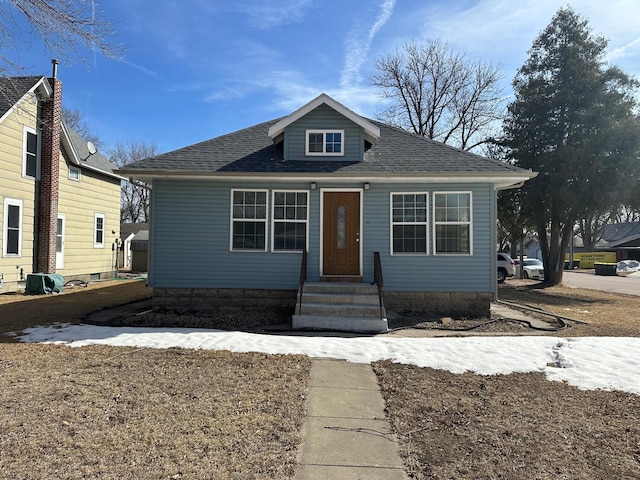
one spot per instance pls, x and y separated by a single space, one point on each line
342 215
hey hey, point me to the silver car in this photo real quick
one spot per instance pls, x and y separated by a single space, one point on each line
533 268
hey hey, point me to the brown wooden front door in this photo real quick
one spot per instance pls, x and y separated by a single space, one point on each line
341 233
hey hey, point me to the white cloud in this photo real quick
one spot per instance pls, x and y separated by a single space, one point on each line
359 44
503 31
630 49
143 69
268 14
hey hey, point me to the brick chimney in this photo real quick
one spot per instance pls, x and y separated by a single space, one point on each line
49 176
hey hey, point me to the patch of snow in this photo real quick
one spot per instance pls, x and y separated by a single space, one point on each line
609 363
628 266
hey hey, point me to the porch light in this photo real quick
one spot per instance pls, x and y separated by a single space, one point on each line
366 185
313 185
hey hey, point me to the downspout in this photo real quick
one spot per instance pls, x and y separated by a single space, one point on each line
494 265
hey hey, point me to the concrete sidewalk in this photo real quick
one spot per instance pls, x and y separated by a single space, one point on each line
346 435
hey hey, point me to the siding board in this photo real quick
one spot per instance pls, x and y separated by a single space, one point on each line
191 241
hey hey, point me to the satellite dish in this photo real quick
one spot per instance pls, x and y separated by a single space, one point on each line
92 148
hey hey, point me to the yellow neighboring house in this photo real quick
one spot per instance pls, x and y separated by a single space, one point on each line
59 197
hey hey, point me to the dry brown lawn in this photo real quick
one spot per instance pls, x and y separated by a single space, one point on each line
122 413
520 426
607 314
107 412
510 427
19 311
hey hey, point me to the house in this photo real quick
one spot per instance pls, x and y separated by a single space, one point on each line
59 198
622 238
135 239
232 216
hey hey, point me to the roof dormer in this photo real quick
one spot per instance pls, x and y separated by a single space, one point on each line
324 129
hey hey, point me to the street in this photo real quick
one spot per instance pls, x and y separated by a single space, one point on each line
629 285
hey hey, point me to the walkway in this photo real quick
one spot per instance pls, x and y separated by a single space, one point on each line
346 435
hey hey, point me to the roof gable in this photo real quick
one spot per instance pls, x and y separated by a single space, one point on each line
14 89
372 132
79 154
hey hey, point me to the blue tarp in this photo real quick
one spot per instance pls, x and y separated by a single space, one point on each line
40 283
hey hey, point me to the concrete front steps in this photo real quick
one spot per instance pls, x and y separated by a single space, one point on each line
345 307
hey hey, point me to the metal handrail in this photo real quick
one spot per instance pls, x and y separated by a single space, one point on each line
303 278
378 279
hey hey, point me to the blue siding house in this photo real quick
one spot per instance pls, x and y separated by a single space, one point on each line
233 217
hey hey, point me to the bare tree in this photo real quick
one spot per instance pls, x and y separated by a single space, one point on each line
134 206
69 30
439 93
73 119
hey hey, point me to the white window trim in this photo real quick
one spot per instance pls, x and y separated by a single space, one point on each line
61 216
265 220
96 216
392 223
470 223
274 220
324 143
5 237
75 169
24 152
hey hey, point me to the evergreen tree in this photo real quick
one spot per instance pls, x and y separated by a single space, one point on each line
573 120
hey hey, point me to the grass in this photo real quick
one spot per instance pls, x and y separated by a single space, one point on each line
511 427
520 426
19 311
120 413
107 412
607 314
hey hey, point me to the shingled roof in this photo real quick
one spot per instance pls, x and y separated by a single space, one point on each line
12 89
252 151
95 161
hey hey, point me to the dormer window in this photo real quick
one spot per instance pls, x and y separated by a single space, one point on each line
325 142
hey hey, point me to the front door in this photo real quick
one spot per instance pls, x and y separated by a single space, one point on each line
341 233
60 242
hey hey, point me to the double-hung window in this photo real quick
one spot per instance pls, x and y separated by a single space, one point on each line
12 234
31 159
452 222
325 142
409 223
290 221
74 174
248 220
98 230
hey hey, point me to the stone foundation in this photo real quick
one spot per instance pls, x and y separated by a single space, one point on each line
450 304
220 299
215 300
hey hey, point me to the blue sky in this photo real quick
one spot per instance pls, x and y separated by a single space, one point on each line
196 69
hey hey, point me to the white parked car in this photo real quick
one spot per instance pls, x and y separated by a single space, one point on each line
505 267
533 268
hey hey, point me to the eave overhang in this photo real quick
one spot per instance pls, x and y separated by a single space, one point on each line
498 180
